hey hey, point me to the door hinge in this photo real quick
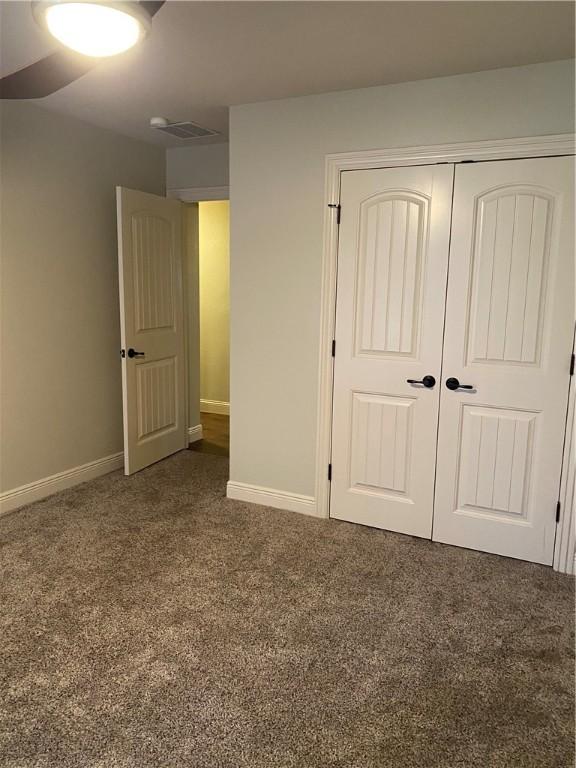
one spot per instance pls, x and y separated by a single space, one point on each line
572 359
333 347
338 210
558 505
329 472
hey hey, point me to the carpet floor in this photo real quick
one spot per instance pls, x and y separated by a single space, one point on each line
149 621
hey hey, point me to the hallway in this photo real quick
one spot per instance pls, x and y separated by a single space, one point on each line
215 435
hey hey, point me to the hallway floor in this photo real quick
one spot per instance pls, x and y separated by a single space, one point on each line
215 435
149 621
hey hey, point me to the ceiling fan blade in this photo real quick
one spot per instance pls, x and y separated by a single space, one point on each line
152 6
45 76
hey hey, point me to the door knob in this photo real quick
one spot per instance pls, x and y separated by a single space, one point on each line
426 381
453 384
133 353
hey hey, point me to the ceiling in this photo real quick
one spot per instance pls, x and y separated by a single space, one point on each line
202 57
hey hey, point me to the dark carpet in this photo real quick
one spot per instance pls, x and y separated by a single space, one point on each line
149 621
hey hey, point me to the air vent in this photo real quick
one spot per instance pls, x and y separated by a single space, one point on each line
185 130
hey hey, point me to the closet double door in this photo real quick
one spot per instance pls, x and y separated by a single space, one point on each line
454 330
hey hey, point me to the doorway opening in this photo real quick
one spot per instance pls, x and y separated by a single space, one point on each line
208 258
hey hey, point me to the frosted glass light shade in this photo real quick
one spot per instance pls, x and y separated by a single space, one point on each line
94 29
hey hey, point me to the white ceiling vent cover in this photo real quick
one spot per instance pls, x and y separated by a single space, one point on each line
185 130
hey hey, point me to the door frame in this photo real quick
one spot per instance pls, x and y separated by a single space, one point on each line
194 195
199 194
565 544
335 164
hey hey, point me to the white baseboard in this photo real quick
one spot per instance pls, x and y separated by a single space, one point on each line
256 494
194 433
26 494
214 406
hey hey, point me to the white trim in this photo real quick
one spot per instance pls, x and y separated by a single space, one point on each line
26 494
504 149
194 433
214 406
269 497
199 194
565 544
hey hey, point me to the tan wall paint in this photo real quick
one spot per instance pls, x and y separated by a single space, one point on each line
60 366
203 166
215 301
277 152
191 302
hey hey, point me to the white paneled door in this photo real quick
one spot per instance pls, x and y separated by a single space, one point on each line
151 314
509 327
454 325
392 264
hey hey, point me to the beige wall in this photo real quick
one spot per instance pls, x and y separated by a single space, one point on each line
214 239
277 152
60 364
203 166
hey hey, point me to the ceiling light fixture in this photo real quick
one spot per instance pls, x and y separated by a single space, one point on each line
93 28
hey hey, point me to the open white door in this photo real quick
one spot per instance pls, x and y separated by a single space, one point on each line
151 318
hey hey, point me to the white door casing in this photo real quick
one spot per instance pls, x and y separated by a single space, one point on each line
151 318
392 262
509 325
